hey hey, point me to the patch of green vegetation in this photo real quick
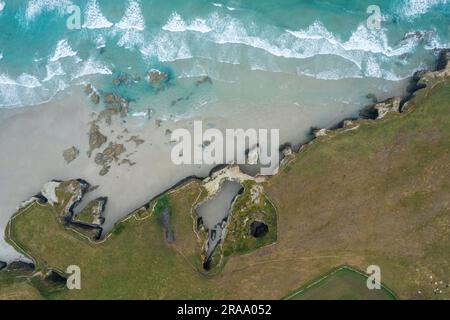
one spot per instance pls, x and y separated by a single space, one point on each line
162 203
253 205
86 214
118 229
343 283
135 262
15 286
375 195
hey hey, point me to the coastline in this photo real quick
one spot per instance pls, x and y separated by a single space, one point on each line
68 119
33 140
430 79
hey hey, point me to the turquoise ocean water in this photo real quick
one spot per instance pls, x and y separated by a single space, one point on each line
256 52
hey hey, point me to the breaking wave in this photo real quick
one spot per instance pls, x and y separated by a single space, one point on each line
37 7
94 18
63 50
415 8
133 18
177 24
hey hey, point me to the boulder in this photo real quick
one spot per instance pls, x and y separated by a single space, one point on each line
110 154
317 132
122 78
137 141
96 138
88 89
381 109
389 105
156 77
116 103
71 154
2 265
95 98
104 171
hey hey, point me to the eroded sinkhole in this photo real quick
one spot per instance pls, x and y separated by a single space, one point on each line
258 229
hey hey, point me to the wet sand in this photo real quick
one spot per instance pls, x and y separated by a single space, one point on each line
33 139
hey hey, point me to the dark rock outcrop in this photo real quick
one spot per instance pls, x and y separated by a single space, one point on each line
122 78
89 90
21 266
2 265
110 154
379 110
70 154
55 279
443 60
92 214
96 138
157 79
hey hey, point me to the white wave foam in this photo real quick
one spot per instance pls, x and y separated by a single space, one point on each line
37 7
415 8
133 17
167 48
91 67
2 5
131 39
100 42
54 69
5 79
28 81
315 31
63 50
94 18
25 90
177 24
217 4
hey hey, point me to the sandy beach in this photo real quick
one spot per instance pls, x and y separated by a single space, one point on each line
33 139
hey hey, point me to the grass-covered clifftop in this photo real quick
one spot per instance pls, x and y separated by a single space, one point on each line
375 195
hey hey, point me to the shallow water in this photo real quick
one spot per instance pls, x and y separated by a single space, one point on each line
216 210
226 40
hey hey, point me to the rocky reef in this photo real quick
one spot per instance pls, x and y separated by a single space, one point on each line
96 138
92 213
110 153
157 79
70 154
381 109
65 197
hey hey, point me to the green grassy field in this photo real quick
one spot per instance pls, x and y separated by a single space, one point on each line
133 263
378 195
341 284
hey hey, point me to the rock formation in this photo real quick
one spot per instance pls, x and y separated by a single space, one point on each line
96 138
70 154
